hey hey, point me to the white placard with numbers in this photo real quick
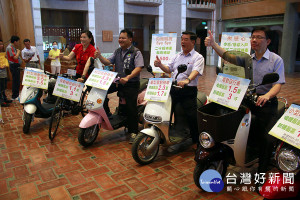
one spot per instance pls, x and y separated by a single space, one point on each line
158 89
229 90
35 79
68 89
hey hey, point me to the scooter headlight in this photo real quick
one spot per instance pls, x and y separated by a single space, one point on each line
287 160
32 95
206 140
89 104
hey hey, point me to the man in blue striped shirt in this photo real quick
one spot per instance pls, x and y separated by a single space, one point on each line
265 110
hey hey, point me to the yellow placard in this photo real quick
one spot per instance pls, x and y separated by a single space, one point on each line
3 60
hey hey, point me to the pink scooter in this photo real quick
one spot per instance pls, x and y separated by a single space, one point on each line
97 117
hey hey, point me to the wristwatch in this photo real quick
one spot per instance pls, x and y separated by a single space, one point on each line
83 77
188 79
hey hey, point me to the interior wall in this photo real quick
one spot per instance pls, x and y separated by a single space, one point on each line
59 18
16 19
253 9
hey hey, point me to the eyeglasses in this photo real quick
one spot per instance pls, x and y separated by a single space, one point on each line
258 37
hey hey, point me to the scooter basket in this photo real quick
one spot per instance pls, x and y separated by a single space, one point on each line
219 121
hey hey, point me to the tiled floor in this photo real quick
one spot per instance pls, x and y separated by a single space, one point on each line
31 167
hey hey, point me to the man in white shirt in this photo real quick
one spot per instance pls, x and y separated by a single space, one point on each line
30 55
188 80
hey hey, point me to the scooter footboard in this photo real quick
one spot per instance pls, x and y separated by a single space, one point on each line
218 152
90 119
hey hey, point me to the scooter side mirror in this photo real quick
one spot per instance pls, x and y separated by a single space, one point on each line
181 68
149 69
270 78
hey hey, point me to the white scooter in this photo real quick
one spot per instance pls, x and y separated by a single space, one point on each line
33 107
159 129
222 144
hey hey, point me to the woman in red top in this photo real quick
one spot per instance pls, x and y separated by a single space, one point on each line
82 51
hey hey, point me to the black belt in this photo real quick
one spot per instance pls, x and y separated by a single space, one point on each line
34 61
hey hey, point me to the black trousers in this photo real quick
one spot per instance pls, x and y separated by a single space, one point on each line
265 119
3 84
187 97
130 92
15 72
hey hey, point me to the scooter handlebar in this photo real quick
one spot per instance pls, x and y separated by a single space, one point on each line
177 86
117 80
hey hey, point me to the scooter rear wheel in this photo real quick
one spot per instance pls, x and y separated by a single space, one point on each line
220 166
55 118
26 122
139 149
87 136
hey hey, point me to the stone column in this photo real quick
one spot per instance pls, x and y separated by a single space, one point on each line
121 15
183 16
159 20
91 17
290 37
37 24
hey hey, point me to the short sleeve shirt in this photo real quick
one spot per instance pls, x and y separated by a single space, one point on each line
12 51
270 62
138 60
54 53
193 60
115 58
82 56
28 53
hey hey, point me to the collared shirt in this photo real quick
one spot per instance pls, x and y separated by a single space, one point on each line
138 60
270 62
125 59
193 60
11 51
82 56
28 53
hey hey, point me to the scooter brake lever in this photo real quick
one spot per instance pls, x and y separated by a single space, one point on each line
177 86
116 80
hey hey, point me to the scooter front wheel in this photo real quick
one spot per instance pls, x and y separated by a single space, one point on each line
220 166
83 99
27 122
140 151
87 136
56 115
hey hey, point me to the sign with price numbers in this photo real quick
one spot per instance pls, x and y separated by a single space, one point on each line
35 79
158 89
68 89
101 79
163 46
235 41
229 90
287 127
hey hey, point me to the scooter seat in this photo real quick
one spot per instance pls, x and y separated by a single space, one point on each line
47 106
143 84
